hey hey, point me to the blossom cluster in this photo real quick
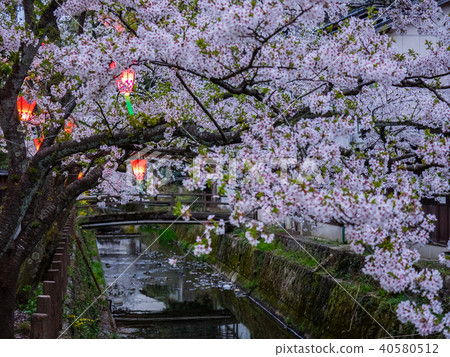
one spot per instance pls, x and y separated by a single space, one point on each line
285 116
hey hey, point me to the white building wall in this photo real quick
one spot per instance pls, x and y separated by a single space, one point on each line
412 39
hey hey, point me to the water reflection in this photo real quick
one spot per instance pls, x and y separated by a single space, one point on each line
152 299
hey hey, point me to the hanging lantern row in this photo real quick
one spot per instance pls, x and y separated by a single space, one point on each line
25 110
125 83
139 166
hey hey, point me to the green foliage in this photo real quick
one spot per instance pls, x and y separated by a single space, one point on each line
299 257
97 269
178 209
250 285
239 232
148 229
275 229
185 245
207 258
397 299
3 156
167 236
31 305
83 290
266 247
70 272
339 274
365 288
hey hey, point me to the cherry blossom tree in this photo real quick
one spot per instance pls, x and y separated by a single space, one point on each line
258 97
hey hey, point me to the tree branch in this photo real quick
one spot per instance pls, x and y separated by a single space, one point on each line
419 83
411 123
201 106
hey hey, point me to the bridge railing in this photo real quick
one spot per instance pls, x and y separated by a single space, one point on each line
204 200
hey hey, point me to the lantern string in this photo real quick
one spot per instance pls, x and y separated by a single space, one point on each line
127 99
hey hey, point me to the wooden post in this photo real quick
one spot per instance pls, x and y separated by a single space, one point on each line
204 201
55 275
214 193
59 257
62 248
59 265
43 304
39 326
213 199
51 290
40 320
59 277
47 321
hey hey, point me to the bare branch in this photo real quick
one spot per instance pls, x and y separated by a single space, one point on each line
201 106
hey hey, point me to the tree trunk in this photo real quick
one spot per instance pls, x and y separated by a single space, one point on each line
9 274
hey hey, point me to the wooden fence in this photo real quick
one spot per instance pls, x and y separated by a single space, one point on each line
47 321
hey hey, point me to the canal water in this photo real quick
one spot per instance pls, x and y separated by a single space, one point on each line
152 299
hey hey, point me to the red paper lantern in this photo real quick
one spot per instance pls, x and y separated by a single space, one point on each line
112 65
68 128
38 143
125 81
25 109
80 175
139 166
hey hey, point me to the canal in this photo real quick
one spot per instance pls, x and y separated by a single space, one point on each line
152 299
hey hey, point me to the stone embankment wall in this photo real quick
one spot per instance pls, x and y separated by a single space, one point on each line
308 298
86 307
